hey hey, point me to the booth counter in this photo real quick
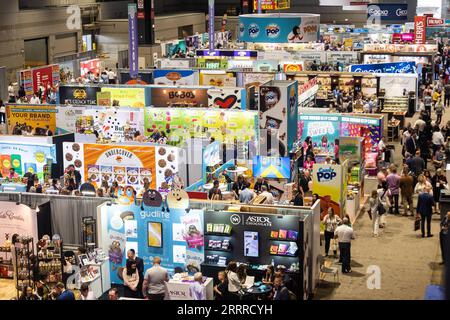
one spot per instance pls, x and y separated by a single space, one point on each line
178 289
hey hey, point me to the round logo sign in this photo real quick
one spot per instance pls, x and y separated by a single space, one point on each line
235 219
253 30
272 31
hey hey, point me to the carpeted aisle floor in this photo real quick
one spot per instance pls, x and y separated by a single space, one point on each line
407 263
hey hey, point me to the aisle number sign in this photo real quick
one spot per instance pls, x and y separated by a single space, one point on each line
272 4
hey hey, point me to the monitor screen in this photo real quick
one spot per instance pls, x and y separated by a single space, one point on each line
155 234
272 167
251 244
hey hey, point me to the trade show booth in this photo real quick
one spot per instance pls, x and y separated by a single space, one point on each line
202 236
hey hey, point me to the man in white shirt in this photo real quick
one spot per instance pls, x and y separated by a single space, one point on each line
267 194
111 77
419 124
438 140
11 93
344 234
382 144
35 99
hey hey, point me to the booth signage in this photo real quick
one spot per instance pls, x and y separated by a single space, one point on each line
279 29
38 118
174 97
396 67
86 96
435 22
92 65
402 48
420 26
306 86
227 53
42 77
388 11
174 77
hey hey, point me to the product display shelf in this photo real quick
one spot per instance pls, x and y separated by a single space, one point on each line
283 255
284 240
6 267
218 234
49 261
218 249
24 263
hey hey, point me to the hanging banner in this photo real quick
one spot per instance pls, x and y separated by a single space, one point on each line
420 27
133 41
435 22
211 24
279 28
396 67
388 11
37 119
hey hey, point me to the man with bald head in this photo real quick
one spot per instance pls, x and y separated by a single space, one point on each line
155 278
344 234
425 205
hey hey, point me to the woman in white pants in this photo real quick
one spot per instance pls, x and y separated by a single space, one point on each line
373 213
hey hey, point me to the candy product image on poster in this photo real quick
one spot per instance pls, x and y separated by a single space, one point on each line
193 233
225 98
179 254
152 198
94 173
131 228
178 232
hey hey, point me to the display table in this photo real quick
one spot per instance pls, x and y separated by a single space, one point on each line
236 172
179 289
100 283
352 206
222 186
13 187
394 130
257 292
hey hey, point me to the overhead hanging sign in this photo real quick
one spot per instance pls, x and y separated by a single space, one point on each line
397 67
272 4
133 41
388 11
420 26
435 22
